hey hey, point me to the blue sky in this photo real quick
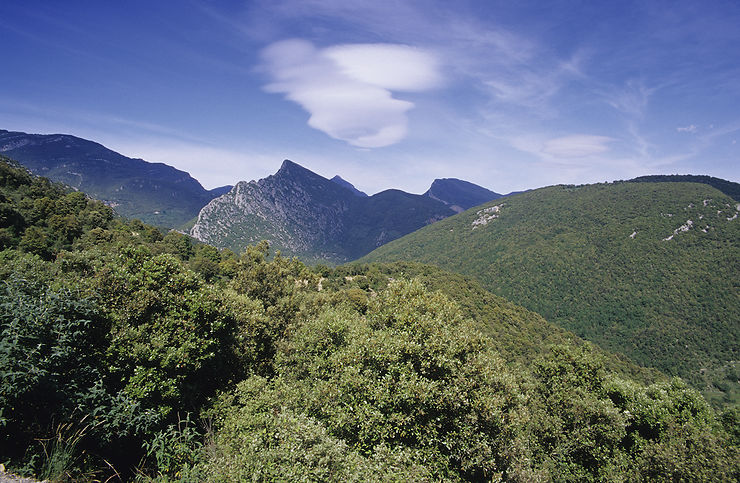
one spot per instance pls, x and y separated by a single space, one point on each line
508 95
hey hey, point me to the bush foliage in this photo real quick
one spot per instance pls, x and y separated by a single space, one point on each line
132 354
643 269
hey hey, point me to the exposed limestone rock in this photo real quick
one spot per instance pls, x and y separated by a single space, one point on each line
487 215
303 214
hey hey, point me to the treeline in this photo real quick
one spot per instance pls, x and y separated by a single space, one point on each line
727 187
133 354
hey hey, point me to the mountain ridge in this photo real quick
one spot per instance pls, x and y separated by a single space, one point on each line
153 192
343 182
460 195
304 214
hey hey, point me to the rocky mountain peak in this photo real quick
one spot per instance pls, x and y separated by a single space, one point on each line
302 213
292 169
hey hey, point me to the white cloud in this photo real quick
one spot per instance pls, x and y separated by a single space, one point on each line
690 128
576 146
347 88
389 66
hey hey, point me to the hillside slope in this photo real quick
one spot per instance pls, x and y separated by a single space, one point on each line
521 335
645 269
355 373
153 192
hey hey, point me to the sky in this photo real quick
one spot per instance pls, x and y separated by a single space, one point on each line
387 94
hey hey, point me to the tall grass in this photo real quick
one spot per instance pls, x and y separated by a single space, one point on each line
61 453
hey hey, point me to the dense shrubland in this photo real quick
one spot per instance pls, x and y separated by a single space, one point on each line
644 269
131 353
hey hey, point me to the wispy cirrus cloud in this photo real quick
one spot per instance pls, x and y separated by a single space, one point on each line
631 98
577 146
348 89
524 87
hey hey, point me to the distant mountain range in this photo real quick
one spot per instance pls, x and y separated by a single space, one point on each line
303 214
300 212
647 268
153 192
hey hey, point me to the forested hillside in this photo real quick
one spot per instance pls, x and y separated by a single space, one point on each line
521 335
129 354
727 187
648 270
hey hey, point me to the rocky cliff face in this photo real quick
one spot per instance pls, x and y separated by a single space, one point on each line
296 210
303 214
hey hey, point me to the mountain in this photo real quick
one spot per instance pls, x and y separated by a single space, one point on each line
460 195
342 182
648 270
153 192
301 213
297 210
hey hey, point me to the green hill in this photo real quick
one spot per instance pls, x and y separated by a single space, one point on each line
131 355
648 270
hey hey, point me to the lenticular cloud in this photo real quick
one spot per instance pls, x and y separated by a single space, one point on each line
577 146
347 88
